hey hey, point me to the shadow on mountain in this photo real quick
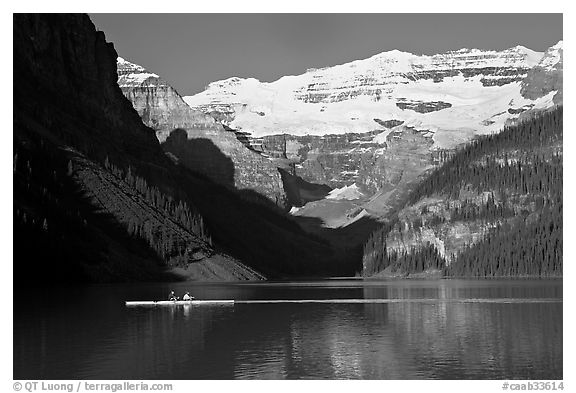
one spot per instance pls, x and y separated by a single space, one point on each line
348 240
248 225
68 96
200 155
352 235
254 229
60 236
299 191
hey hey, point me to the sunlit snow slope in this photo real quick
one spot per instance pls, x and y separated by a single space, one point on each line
457 93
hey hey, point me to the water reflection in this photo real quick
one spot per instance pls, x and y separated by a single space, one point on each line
446 340
474 340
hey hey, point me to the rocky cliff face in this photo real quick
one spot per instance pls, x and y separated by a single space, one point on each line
546 76
374 160
159 105
196 139
420 224
67 82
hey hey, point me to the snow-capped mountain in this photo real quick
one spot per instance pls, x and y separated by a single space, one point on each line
467 91
374 125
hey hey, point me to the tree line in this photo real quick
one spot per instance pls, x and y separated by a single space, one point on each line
510 161
173 249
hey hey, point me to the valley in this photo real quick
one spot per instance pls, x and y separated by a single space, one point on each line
334 172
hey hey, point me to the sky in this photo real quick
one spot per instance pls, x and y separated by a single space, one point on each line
192 50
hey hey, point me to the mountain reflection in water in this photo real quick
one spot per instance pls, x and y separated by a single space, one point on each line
93 335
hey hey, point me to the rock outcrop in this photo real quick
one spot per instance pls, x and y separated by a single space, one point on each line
158 104
196 139
374 160
546 77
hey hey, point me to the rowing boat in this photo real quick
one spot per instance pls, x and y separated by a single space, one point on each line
345 301
177 302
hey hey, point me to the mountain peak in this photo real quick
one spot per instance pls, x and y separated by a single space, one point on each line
131 74
521 48
532 57
231 82
397 53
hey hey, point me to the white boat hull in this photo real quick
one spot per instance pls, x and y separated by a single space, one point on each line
177 302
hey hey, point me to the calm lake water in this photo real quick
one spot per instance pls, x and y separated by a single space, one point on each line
415 329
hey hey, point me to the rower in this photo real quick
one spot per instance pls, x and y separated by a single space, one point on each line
187 296
172 296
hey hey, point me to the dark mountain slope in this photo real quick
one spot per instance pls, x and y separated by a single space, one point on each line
65 80
59 234
65 97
